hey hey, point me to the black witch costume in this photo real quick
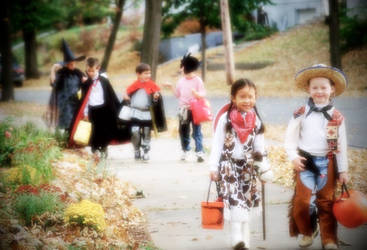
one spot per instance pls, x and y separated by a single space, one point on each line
64 101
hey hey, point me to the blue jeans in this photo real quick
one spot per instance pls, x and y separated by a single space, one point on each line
313 181
184 131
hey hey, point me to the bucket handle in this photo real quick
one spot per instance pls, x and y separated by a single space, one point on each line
344 188
207 198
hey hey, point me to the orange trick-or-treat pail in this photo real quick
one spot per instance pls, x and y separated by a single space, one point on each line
350 209
212 215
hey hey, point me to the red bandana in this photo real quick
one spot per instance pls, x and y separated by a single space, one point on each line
243 127
149 86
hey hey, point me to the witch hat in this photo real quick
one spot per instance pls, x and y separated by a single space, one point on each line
68 54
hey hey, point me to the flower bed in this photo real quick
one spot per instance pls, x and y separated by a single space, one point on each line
40 181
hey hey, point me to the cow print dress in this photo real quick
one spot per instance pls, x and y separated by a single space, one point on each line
238 178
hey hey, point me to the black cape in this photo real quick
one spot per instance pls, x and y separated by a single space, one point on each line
159 115
121 132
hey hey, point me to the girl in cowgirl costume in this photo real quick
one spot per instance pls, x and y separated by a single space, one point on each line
317 146
238 158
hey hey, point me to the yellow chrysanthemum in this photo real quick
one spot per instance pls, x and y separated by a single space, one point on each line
87 213
15 174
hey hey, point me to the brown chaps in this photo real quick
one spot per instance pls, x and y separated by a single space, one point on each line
299 212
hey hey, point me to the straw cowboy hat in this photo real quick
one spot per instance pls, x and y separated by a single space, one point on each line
337 76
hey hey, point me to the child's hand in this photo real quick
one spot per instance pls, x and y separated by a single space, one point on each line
167 85
214 175
84 79
54 69
156 95
195 93
343 177
125 97
85 118
298 163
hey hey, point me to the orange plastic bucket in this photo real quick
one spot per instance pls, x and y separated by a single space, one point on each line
212 215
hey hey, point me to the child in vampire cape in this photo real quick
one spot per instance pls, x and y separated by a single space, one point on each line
147 111
100 106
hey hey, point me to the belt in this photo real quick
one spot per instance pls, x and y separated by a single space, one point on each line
309 164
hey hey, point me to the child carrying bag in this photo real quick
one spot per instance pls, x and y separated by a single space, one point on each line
212 213
82 133
200 110
125 113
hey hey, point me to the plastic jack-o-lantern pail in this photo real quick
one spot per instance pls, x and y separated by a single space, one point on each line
350 209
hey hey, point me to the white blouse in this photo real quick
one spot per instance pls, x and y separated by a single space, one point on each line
309 134
238 153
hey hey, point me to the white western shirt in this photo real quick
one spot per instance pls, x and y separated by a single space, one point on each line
309 134
238 153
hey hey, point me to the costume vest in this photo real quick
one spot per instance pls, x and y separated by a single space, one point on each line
331 128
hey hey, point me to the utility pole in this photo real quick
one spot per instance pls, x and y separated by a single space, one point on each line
112 38
335 57
227 41
152 34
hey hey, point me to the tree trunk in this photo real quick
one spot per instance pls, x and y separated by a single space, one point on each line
227 41
30 50
6 62
335 57
112 38
152 34
203 50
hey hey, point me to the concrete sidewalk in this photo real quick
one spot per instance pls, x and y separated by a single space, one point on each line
174 190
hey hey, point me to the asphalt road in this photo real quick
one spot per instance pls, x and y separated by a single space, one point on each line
274 110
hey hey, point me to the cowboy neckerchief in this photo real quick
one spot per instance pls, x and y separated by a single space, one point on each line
237 177
242 124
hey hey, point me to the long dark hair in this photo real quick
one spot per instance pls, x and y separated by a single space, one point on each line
236 86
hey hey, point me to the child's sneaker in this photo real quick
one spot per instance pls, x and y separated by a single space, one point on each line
137 155
184 155
331 245
200 156
305 241
145 157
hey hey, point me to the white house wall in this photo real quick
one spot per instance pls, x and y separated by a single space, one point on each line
357 8
288 13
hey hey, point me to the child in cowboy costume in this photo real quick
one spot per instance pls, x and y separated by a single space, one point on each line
238 158
316 144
